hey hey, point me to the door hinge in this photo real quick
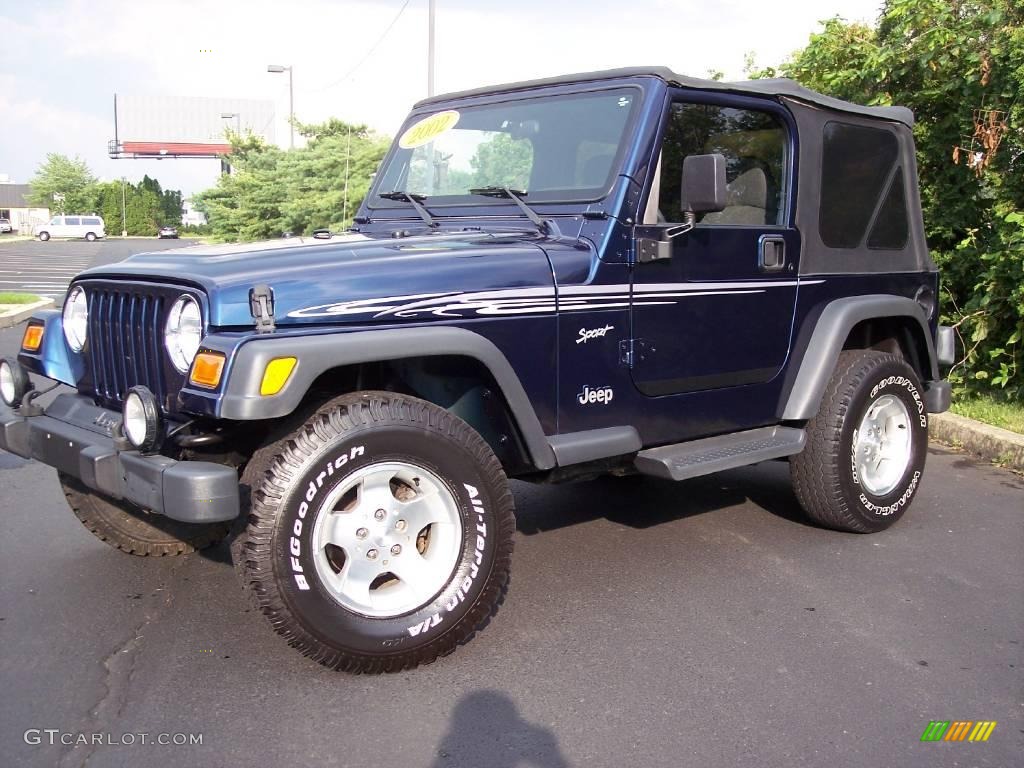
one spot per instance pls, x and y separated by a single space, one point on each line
633 351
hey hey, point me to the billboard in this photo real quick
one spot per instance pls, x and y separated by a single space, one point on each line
185 126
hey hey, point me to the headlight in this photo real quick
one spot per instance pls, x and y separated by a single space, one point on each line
76 318
183 332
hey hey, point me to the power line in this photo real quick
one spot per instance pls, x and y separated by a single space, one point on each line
366 56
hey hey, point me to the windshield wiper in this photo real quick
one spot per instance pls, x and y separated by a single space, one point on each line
416 202
546 226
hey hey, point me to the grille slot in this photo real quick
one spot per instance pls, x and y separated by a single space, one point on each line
124 342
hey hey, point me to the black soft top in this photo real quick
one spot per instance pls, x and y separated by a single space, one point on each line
778 86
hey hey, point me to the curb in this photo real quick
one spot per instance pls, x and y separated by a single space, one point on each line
990 443
13 318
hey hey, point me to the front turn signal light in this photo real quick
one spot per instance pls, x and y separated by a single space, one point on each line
33 338
207 369
276 375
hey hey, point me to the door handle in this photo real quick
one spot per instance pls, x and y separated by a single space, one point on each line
771 253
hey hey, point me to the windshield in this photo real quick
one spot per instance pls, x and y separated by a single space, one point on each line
554 148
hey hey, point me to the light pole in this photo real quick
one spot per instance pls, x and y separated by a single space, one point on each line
238 121
291 99
430 48
124 217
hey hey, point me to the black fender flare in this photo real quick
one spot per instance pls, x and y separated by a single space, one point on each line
831 330
316 354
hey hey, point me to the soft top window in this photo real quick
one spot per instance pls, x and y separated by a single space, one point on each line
859 167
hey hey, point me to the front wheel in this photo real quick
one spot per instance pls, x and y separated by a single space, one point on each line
380 533
44 236
866 447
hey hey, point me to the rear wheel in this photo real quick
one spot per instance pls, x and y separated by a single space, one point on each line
90 236
44 236
380 535
134 530
866 447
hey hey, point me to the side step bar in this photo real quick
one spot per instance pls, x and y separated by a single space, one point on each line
713 454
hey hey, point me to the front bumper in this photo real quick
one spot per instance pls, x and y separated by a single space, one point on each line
76 437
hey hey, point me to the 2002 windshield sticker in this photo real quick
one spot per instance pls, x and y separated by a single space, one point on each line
428 129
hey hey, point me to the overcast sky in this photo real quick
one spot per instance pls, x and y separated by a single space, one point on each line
61 61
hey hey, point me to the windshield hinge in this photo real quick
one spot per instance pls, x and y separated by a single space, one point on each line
261 306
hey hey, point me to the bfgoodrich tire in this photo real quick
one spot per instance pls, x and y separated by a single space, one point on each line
380 535
133 530
866 447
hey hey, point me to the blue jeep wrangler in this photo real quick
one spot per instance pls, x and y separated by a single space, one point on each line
610 273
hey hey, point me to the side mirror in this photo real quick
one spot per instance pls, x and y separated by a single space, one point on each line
703 189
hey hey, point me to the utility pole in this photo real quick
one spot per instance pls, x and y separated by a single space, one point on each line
430 48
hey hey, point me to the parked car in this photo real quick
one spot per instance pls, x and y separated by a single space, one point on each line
167 232
674 277
88 227
5 226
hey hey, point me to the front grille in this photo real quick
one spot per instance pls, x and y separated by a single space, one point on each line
125 347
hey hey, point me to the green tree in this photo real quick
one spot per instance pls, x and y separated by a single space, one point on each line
63 185
960 66
271 191
503 161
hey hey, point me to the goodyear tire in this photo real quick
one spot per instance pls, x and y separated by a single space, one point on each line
866 447
136 531
380 534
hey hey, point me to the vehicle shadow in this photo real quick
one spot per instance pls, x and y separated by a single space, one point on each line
486 729
639 501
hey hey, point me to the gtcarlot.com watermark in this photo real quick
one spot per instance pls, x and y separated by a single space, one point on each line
52 736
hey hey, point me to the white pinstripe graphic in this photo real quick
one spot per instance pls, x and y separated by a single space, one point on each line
520 301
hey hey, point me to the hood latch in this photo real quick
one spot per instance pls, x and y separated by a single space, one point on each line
261 306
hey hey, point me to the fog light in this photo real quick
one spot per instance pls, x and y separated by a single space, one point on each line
141 419
14 382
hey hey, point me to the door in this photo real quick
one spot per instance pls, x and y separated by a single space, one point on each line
72 227
714 308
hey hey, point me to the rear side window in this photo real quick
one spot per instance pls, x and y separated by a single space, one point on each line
72 221
890 230
91 221
862 188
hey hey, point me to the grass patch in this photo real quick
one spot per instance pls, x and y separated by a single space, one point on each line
998 413
18 298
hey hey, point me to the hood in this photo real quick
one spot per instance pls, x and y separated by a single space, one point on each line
350 278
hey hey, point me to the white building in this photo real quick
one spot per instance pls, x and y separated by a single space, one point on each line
190 217
14 206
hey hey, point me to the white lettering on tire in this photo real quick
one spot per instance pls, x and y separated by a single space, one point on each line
907 384
294 543
474 567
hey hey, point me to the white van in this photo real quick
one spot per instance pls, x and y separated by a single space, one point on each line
89 227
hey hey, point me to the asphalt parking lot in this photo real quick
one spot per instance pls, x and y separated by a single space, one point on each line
45 269
648 624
